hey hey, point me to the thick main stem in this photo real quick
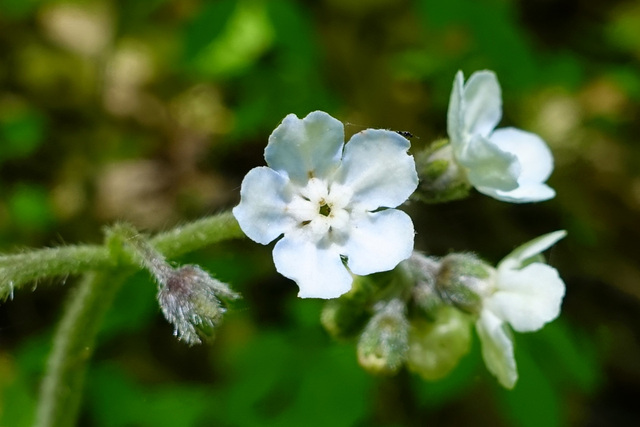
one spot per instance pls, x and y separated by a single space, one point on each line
73 346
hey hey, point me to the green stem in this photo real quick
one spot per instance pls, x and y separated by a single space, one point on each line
75 338
18 270
73 346
198 234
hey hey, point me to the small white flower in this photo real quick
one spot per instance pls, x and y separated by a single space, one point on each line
507 164
326 198
526 294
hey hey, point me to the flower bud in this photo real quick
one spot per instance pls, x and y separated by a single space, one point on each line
463 279
345 317
420 271
441 178
191 300
383 344
435 348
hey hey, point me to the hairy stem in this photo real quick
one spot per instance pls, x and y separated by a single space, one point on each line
195 235
17 270
108 267
73 346
20 269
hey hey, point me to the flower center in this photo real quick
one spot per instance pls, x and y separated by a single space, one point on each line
325 209
321 207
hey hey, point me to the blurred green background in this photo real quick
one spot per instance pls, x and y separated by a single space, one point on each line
152 111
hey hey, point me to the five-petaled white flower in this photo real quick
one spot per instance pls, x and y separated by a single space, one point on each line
328 199
523 292
508 164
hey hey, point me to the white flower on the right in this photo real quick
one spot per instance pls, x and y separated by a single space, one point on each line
508 164
524 293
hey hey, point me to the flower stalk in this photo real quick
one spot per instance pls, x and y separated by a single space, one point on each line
30 267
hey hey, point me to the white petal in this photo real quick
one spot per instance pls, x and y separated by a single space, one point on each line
379 241
519 256
377 168
526 193
305 148
482 103
527 298
489 167
317 269
497 348
262 210
536 160
455 118
536 164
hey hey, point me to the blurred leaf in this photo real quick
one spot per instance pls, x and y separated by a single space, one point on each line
19 381
17 403
21 130
247 34
134 307
117 401
497 41
564 68
18 9
628 79
534 401
266 94
566 355
624 29
279 380
208 24
30 207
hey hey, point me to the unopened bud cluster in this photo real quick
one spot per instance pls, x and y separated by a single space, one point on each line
414 315
190 299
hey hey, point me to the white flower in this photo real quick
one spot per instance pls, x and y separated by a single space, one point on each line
326 198
526 294
507 164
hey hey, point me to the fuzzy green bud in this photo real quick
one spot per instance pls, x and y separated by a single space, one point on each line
462 280
383 344
421 271
441 178
435 348
345 317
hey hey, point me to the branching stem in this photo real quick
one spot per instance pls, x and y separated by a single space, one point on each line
106 268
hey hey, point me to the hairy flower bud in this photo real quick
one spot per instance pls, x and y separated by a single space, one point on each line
435 348
421 272
191 300
463 280
383 345
345 317
441 178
